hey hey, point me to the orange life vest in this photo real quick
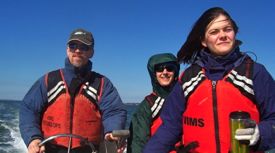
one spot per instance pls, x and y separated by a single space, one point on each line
76 113
209 103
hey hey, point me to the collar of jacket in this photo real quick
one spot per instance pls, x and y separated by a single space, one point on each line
217 67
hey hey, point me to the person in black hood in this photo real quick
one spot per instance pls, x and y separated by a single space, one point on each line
164 70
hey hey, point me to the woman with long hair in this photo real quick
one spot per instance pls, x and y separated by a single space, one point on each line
220 80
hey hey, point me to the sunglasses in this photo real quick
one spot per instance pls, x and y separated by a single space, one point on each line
169 67
81 47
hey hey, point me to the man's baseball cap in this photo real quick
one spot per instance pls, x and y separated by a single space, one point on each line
83 36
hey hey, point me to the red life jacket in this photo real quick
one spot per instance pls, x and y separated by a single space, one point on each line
209 103
73 111
156 104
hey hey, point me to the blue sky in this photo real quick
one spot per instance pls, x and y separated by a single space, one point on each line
127 32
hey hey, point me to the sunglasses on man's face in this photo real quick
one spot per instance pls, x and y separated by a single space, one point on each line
168 67
81 47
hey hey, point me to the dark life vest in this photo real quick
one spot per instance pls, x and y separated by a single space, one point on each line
73 109
209 104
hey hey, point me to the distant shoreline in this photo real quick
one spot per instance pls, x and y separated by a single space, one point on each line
10 100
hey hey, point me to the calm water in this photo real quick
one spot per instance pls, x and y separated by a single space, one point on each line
10 139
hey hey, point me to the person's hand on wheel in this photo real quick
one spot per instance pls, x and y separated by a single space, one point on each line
35 148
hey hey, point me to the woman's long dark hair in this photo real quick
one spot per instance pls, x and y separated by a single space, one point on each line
193 45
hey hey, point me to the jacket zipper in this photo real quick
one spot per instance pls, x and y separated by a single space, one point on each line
216 119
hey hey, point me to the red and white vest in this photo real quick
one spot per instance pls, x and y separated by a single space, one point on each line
209 104
156 104
73 113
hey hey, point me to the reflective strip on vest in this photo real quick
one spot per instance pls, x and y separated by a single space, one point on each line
157 106
90 90
190 85
56 90
241 81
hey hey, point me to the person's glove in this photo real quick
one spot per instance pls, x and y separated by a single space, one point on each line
249 133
